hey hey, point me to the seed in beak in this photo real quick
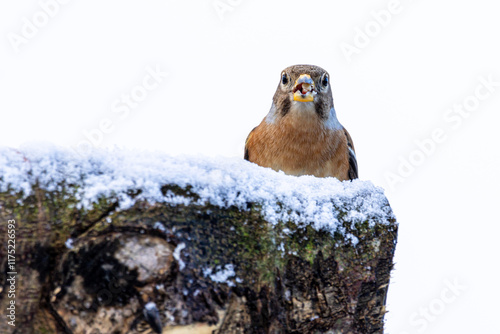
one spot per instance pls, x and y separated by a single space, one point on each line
306 88
303 88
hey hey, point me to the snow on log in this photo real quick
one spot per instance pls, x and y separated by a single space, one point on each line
126 241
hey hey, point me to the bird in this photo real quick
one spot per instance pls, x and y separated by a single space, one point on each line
301 134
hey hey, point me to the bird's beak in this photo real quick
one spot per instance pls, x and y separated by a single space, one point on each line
303 91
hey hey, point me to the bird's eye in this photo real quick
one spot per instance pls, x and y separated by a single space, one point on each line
284 78
325 80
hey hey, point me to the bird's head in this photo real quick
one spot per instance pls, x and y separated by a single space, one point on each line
304 87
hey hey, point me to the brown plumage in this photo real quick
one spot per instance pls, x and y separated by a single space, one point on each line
301 134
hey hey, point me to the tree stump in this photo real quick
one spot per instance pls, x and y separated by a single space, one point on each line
111 242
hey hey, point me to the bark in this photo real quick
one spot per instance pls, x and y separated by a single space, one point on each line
207 269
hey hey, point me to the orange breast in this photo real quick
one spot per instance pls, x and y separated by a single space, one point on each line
300 147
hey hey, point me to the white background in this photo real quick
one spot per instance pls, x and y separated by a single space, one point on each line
64 78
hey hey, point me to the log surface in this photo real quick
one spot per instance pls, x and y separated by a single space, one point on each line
207 268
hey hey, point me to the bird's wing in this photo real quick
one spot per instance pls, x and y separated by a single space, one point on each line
353 163
246 144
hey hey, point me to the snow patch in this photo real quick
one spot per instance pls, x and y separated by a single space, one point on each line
117 174
150 306
160 226
177 255
221 276
69 243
